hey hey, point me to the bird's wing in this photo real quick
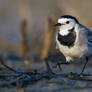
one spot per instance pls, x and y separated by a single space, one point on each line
89 34
90 40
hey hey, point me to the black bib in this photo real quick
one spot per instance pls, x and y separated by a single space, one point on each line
67 40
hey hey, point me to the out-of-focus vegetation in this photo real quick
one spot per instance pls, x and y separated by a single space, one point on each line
36 13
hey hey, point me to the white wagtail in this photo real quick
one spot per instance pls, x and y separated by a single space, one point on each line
73 39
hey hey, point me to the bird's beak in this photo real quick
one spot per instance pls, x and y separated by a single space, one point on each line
58 24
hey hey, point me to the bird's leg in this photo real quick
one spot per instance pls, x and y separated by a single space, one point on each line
84 65
49 70
59 65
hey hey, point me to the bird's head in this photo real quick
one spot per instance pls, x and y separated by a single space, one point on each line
66 22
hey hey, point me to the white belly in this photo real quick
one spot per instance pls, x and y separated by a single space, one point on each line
76 51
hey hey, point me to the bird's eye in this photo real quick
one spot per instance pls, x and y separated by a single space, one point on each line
67 22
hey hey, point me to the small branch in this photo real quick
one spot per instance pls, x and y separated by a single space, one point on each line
2 62
75 76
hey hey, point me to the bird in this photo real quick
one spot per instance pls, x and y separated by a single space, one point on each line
73 40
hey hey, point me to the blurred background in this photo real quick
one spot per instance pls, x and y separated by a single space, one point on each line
27 33
29 22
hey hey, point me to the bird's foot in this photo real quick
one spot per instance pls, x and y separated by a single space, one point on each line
76 75
81 74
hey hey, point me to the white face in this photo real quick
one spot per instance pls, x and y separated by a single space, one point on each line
66 23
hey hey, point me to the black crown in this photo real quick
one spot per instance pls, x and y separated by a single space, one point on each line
69 16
